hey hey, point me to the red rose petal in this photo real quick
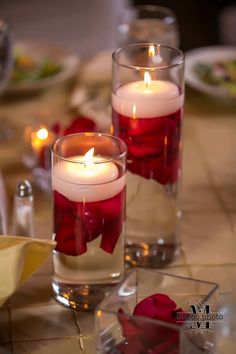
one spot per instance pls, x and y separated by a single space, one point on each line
77 223
92 219
56 128
110 235
153 145
80 125
144 337
168 346
157 306
114 207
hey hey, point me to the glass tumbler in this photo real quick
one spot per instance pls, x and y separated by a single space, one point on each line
88 182
147 113
148 23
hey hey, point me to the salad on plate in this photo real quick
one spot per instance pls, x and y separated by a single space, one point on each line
219 73
26 69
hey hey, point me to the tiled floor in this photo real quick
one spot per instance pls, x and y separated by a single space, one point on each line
31 319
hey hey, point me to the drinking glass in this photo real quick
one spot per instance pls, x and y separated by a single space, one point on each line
3 207
148 23
226 331
147 112
121 331
88 182
5 69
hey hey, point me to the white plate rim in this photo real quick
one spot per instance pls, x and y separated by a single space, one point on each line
207 55
69 60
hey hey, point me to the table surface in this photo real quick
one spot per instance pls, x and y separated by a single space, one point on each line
31 321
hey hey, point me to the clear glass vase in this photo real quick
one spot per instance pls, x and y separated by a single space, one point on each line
88 182
147 112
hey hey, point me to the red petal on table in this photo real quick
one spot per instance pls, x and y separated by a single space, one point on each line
80 125
56 128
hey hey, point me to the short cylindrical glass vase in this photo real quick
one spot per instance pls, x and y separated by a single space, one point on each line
88 182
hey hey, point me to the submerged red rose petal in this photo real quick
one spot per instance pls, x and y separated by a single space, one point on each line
153 145
78 223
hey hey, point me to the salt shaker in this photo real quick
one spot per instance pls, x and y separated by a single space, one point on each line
23 210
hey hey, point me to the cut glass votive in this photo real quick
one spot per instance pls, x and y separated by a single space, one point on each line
118 331
88 182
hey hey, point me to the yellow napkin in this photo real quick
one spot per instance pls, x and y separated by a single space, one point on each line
20 257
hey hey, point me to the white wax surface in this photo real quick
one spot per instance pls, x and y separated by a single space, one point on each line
87 182
139 101
95 172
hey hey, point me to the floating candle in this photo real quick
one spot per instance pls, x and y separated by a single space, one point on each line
83 177
147 98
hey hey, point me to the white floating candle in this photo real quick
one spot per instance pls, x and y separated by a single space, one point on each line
147 98
87 178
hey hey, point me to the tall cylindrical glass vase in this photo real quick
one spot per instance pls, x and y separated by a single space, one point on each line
147 104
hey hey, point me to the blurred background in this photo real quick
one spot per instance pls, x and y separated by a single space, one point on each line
89 26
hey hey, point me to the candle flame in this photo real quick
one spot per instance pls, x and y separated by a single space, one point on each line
88 156
42 134
134 111
147 79
151 51
99 313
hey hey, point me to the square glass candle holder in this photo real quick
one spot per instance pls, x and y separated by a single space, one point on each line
88 182
147 113
118 331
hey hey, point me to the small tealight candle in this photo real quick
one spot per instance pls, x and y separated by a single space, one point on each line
40 139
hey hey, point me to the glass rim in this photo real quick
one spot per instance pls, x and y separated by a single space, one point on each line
152 8
120 155
117 51
103 304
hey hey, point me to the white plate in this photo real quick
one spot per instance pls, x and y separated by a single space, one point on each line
38 51
207 55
